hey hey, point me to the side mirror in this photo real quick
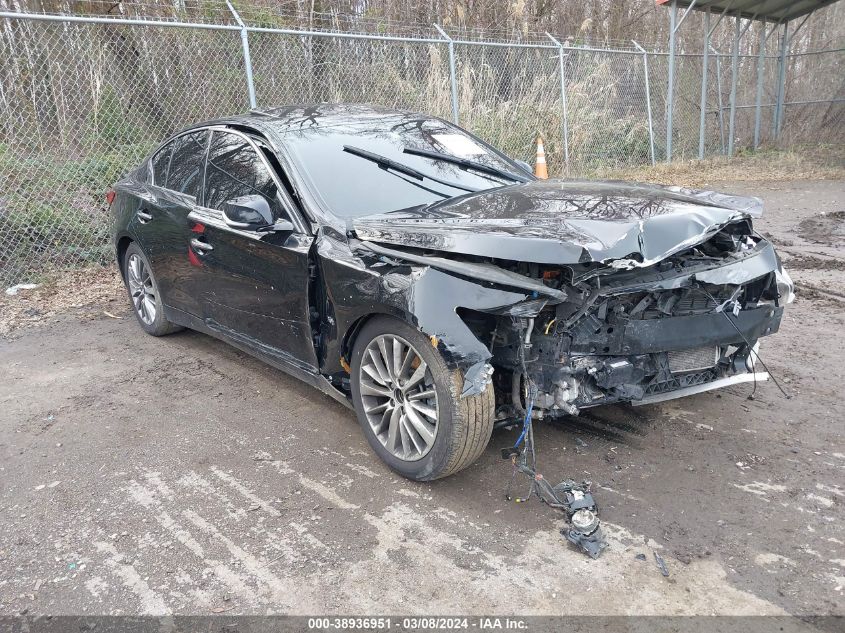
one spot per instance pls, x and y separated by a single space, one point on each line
282 226
248 212
525 166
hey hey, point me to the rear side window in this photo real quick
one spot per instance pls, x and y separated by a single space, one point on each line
186 163
234 170
160 163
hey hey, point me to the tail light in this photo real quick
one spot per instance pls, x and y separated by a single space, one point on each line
110 196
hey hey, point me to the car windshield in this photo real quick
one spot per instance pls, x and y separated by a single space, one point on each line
366 168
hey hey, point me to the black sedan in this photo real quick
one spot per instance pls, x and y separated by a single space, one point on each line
415 273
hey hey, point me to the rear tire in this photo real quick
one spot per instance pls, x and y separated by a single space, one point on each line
144 295
395 412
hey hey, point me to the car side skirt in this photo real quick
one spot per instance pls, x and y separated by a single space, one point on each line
314 379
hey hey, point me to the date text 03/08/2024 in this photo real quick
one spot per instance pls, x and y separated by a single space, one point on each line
424 623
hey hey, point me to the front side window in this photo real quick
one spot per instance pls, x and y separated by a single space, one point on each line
186 163
235 171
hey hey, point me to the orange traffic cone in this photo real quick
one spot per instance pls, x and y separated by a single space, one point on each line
540 169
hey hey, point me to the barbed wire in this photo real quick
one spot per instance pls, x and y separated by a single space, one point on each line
292 14
288 14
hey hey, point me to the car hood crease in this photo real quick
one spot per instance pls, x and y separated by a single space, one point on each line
564 222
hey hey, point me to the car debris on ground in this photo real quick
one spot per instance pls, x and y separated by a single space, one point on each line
13 290
661 564
573 499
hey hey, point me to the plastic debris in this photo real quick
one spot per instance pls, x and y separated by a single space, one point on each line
661 564
584 529
13 290
573 499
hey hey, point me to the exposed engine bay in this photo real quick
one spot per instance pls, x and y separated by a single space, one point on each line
616 292
618 333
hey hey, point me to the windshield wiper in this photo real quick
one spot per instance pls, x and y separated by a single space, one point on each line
465 163
388 163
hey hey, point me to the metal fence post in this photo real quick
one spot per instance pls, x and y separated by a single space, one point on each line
564 109
670 89
758 102
647 101
734 80
702 122
784 44
452 74
674 25
720 102
250 83
738 35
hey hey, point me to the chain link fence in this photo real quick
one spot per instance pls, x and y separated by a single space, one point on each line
815 98
85 99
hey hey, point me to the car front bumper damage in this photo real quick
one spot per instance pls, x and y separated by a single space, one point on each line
642 337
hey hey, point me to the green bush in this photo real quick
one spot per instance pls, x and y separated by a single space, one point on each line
52 210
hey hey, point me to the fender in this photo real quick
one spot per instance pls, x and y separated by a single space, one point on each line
424 296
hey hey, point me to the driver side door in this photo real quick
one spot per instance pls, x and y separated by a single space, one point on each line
254 287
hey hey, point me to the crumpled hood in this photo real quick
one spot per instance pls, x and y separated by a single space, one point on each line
564 222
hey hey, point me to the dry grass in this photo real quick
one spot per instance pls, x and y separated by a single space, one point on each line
819 163
85 293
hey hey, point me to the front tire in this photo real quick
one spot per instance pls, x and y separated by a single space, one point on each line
409 405
144 294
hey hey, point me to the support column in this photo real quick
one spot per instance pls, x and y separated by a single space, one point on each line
720 102
563 105
647 102
452 74
734 80
784 45
761 65
250 82
670 89
702 121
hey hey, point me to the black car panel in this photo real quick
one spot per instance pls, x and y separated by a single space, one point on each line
164 219
257 285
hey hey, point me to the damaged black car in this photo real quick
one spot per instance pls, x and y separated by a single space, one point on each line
418 275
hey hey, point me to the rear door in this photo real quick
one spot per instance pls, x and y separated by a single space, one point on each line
177 172
255 283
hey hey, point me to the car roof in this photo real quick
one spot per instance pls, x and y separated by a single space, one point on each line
280 119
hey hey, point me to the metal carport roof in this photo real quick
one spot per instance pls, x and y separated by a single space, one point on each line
770 10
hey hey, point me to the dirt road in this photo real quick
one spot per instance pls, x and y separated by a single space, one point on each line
148 476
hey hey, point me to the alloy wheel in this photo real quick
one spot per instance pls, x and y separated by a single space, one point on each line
141 289
399 398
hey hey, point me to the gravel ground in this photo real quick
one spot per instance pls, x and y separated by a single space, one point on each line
178 475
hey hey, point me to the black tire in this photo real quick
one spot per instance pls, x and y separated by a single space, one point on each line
158 326
464 425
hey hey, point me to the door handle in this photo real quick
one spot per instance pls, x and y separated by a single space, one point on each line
143 216
201 247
